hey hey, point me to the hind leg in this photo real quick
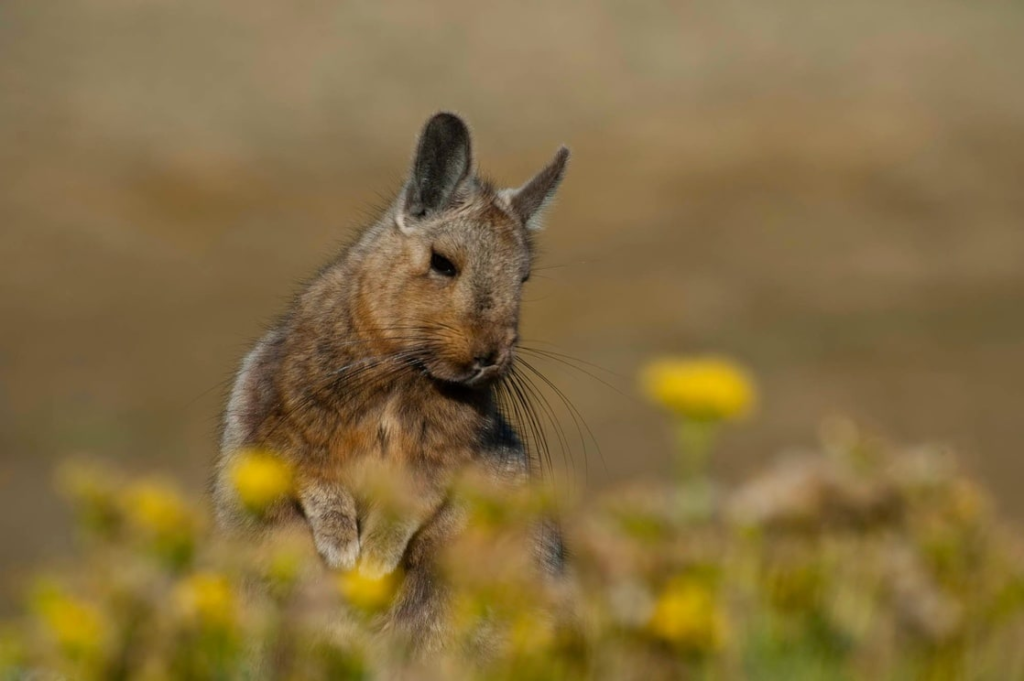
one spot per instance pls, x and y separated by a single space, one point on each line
421 607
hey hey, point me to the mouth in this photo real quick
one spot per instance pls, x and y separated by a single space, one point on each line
483 376
476 377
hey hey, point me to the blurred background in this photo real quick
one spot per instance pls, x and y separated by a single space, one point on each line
830 194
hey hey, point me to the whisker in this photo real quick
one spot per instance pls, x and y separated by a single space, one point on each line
577 416
562 266
535 423
568 360
518 420
528 420
548 411
509 412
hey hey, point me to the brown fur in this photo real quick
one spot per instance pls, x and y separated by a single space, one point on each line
385 361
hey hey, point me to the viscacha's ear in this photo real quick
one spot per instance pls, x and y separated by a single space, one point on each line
443 161
529 201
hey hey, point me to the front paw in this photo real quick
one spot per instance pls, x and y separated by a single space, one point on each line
382 549
331 514
338 548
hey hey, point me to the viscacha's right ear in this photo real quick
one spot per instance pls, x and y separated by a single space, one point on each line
443 161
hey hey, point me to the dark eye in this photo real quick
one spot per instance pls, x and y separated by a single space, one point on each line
442 265
526 277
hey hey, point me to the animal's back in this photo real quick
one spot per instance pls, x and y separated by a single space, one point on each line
252 402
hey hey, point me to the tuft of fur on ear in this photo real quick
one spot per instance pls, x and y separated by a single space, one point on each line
529 201
443 161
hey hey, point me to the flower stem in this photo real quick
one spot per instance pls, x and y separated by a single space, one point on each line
695 441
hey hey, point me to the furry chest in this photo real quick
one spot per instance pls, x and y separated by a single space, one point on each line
404 433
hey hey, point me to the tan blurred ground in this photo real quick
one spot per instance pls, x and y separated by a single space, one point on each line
833 194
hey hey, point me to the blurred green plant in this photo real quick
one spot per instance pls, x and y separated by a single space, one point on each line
856 561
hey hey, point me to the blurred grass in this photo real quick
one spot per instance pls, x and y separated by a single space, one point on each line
831 193
858 560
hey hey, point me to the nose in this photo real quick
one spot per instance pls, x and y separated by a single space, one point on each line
492 358
484 361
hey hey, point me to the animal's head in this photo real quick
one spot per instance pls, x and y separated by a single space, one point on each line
446 269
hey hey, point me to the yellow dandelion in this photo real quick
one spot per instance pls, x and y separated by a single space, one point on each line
157 509
467 611
369 594
207 599
94 493
77 626
261 479
701 388
284 567
688 614
529 634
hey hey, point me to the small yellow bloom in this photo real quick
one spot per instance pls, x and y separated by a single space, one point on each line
261 479
157 509
702 388
530 634
368 594
467 612
79 627
688 614
94 492
284 567
206 598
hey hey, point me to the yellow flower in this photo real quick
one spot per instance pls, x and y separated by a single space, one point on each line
79 627
94 493
369 594
157 509
530 634
687 614
467 611
284 567
206 598
702 388
261 479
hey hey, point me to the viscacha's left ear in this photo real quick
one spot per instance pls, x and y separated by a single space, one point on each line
528 202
